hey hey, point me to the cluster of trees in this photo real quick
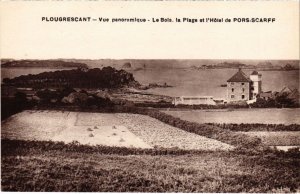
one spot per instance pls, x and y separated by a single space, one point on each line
107 77
278 101
257 127
10 106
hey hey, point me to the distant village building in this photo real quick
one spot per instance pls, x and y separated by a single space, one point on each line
194 100
292 94
267 95
242 88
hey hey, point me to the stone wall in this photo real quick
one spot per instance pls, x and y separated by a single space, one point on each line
238 91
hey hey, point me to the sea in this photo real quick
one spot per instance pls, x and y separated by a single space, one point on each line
187 81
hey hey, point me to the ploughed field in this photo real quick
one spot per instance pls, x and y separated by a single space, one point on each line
121 130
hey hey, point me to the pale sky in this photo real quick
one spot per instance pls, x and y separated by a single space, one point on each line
24 35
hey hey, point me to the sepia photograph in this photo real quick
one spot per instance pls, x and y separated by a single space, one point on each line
154 97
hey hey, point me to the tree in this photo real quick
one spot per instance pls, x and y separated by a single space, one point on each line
283 100
20 97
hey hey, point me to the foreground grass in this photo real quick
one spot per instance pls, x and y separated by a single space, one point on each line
33 167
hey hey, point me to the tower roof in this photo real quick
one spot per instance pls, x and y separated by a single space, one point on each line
240 76
255 73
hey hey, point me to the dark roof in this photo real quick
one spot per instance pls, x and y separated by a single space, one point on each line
266 94
239 77
286 90
254 73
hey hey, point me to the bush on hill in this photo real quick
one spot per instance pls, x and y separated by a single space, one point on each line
257 127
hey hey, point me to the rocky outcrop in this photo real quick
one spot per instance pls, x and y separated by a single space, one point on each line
75 97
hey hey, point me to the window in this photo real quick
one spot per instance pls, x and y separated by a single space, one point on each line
243 96
243 89
232 89
232 83
232 96
243 84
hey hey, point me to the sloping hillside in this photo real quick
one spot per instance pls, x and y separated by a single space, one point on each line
41 63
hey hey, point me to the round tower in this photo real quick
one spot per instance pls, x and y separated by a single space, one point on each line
256 82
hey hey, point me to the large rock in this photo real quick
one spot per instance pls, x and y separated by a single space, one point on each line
75 97
103 94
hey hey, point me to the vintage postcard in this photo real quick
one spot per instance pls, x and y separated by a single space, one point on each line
150 96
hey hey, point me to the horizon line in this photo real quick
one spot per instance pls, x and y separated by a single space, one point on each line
11 58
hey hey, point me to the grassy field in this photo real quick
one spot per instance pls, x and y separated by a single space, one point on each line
280 138
46 166
252 123
256 115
